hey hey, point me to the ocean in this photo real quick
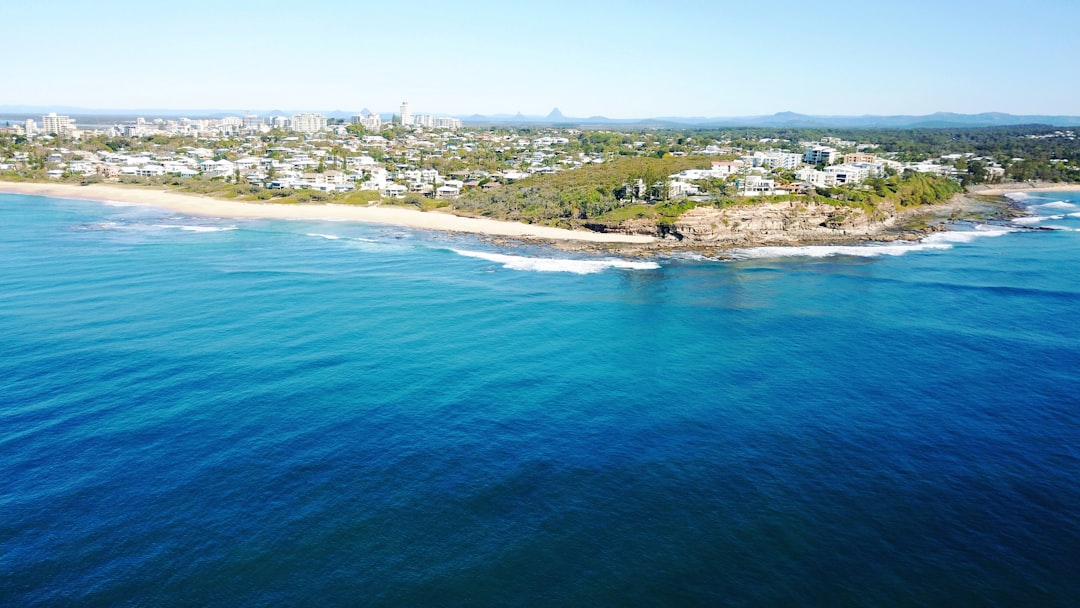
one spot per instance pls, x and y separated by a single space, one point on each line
221 412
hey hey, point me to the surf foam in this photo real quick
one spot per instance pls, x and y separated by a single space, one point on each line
514 262
196 228
1056 205
939 240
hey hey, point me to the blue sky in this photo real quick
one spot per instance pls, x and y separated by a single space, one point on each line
626 59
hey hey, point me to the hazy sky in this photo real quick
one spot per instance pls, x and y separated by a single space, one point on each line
621 59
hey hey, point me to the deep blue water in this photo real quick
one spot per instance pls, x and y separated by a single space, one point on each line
233 412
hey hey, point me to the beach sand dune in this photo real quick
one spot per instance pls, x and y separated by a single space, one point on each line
206 206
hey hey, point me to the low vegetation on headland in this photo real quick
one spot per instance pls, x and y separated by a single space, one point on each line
603 195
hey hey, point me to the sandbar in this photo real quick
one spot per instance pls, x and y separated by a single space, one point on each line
206 206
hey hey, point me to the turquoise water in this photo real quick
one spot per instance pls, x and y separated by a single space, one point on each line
231 412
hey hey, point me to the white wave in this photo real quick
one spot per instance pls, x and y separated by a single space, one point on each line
824 251
122 204
514 262
208 228
332 237
1055 205
1035 219
938 240
692 256
196 228
967 236
1031 219
1074 214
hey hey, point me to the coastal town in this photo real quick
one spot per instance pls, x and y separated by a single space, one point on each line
700 188
436 157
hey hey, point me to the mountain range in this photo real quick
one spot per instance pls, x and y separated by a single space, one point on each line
791 120
556 118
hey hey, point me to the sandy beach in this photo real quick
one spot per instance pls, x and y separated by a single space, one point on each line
206 206
1003 189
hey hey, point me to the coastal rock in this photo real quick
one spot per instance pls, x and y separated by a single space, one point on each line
780 223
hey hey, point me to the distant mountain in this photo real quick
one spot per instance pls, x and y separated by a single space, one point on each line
779 120
790 120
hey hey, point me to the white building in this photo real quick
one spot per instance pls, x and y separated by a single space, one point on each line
447 123
677 188
369 121
60 125
307 122
819 179
774 159
755 185
719 170
816 155
855 173
406 114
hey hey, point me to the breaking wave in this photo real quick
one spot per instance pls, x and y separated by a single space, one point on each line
1055 205
196 228
514 262
940 240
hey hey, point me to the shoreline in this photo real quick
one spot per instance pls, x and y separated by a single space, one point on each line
1003 189
214 207
974 203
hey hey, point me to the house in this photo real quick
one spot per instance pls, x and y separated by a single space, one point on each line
678 188
217 168
393 190
443 192
755 185
812 176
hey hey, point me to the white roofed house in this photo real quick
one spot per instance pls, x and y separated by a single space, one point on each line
448 191
83 167
854 173
360 162
217 168
248 163
820 179
151 170
376 180
393 190
678 188
182 169
755 185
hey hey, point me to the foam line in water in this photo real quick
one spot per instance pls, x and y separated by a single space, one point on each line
1056 205
514 262
940 240
824 251
1031 219
332 237
197 228
967 236
1035 219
